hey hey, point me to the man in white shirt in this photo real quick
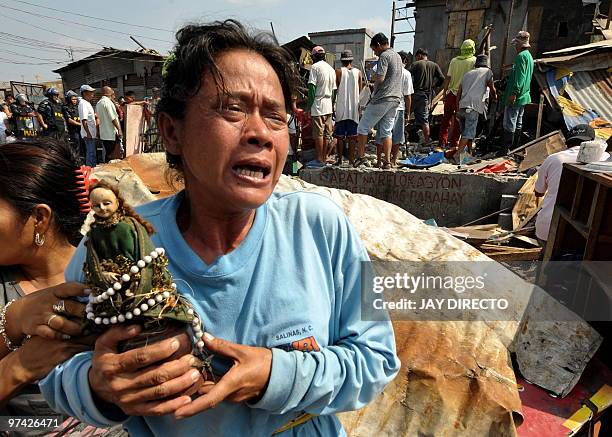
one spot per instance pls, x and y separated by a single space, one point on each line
549 176
350 82
110 126
89 128
321 87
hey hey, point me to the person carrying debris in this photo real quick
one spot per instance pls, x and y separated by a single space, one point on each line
321 87
459 65
426 77
384 101
51 111
350 83
518 89
472 94
549 176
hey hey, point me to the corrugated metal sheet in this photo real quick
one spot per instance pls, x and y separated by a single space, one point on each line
592 90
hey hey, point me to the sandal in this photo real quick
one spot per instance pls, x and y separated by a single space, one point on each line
359 162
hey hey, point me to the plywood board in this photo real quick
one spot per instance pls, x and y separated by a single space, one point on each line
539 151
474 24
134 123
527 202
467 5
456 29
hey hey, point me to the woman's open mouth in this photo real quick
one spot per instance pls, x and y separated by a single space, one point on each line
253 172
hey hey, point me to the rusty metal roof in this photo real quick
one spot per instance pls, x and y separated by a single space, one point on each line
592 90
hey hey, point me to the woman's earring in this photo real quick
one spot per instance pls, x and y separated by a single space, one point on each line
39 240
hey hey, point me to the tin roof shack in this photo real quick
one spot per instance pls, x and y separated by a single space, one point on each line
442 25
123 70
335 41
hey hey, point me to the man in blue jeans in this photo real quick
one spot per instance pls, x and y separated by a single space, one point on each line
89 128
386 97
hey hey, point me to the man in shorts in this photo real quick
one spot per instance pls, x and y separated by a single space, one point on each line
350 82
385 99
321 87
472 94
426 77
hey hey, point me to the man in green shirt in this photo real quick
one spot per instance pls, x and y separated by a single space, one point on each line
518 89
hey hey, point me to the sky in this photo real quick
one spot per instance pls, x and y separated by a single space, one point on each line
31 19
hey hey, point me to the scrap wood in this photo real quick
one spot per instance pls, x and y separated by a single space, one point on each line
537 152
510 253
526 204
533 142
474 234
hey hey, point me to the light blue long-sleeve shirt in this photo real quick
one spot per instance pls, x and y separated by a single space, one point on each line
293 285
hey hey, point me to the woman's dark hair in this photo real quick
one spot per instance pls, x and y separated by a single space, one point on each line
196 52
43 172
124 208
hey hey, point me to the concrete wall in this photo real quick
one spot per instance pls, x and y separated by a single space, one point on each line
452 199
357 40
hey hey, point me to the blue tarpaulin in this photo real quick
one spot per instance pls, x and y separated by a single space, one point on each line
426 161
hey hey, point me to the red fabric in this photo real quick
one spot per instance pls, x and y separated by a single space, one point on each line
450 122
501 167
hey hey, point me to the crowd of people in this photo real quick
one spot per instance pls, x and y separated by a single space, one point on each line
95 133
343 106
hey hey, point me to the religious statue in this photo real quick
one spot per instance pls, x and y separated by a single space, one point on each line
128 278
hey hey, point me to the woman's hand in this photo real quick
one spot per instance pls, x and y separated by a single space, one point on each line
38 356
34 315
149 381
246 380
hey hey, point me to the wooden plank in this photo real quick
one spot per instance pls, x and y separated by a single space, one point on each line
532 142
474 24
595 218
538 152
466 5
527 202
456 29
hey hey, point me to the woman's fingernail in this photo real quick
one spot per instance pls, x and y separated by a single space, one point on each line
195 375
193 362
208 336
174 345
133 330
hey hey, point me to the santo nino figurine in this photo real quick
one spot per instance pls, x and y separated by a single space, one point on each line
128 278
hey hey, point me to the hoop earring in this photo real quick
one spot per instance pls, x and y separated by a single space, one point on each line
39 239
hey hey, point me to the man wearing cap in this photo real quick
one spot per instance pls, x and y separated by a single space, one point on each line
349 82
321 87
518 89
384 101
472 94
457 68
51 111
89 124
549 176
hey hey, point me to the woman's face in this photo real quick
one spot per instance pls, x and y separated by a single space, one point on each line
234 145
16 238
104 203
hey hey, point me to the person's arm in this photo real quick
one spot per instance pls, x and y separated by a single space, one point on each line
408 104
460 92
41 120
361 81
83 115
491 86
439 76
445 85
541 185
312 92
338 76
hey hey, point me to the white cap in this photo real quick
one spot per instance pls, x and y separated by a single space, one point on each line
86 88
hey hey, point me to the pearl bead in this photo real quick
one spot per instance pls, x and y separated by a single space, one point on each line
200 344
159 298
195 321
128 315
166 294
105 321
147 259
199 334
154 254
113 320
97 320
125 277
151 302
99 299
117 286
190 311
160 250
104 295
134 269
197 329
141 264
121 318
89 307
173 285
90 315
144 307
109 289
110 292
136 311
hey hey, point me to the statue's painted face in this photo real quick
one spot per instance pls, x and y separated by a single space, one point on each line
104 203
